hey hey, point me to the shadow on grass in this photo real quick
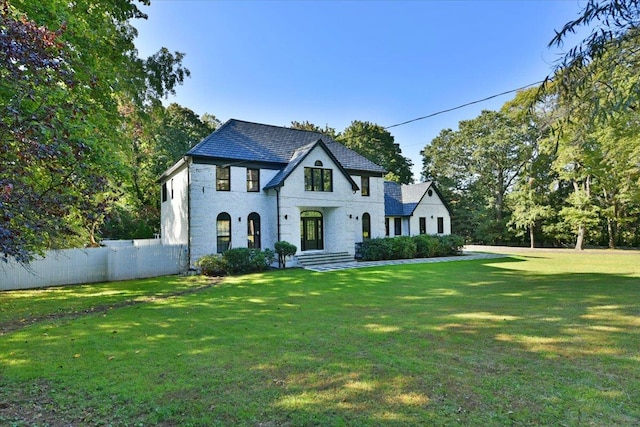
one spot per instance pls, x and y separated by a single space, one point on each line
477 342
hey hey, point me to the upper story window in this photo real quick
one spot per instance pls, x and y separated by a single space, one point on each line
364 185
318 179
223 178
253 180
164 191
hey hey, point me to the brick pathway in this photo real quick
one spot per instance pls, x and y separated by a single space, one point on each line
466 256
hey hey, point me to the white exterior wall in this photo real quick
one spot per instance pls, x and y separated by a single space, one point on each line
174 214
207 203
372 204
341 209
430 207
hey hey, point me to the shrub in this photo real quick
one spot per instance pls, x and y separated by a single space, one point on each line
284 249
403 247
376 249
245 260
235 261
212 265
453 244
426 246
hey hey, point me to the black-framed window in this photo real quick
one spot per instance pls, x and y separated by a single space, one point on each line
366 226
172 189
318 179
223 178
440 225
253 231
423 225
364 185
223 232
397 226
253 180
386 226
164 191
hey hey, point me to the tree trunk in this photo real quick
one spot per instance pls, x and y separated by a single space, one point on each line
531 238
580 238
612 234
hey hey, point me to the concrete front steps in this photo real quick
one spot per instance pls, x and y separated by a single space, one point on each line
319 258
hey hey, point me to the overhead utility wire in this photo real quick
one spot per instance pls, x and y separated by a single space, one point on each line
464 105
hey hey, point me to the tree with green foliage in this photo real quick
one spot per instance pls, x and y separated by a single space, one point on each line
477 165
306 125
160 136
376 144
67 69
612 43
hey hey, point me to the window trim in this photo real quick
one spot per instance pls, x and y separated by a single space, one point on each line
221 180
397 226
253 219
253 185
365 186
440 225
366 226
318 179
423 224
223 241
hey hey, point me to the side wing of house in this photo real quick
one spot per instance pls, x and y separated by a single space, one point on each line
174 205
431 214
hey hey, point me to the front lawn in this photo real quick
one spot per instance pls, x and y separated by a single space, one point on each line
542 338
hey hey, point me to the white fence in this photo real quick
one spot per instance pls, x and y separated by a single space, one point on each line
118 260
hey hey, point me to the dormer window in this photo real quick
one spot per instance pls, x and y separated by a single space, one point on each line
318 179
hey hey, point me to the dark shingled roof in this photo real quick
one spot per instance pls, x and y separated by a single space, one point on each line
297 157
401 200
255 142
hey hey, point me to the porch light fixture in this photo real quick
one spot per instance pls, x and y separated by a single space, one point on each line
287 217
350 216
239 219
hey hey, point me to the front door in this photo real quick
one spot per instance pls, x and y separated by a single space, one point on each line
311 230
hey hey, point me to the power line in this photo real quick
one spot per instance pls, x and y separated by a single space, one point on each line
464 105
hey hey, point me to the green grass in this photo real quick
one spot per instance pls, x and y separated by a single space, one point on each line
538 339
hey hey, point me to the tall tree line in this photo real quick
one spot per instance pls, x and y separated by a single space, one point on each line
558 165
83 132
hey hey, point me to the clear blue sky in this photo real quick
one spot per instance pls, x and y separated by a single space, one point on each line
332 62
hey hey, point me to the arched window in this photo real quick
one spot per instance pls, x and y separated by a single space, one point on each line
253 231
366 226
318 163
223 232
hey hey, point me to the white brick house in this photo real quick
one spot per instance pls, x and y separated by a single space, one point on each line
415 209
252 185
